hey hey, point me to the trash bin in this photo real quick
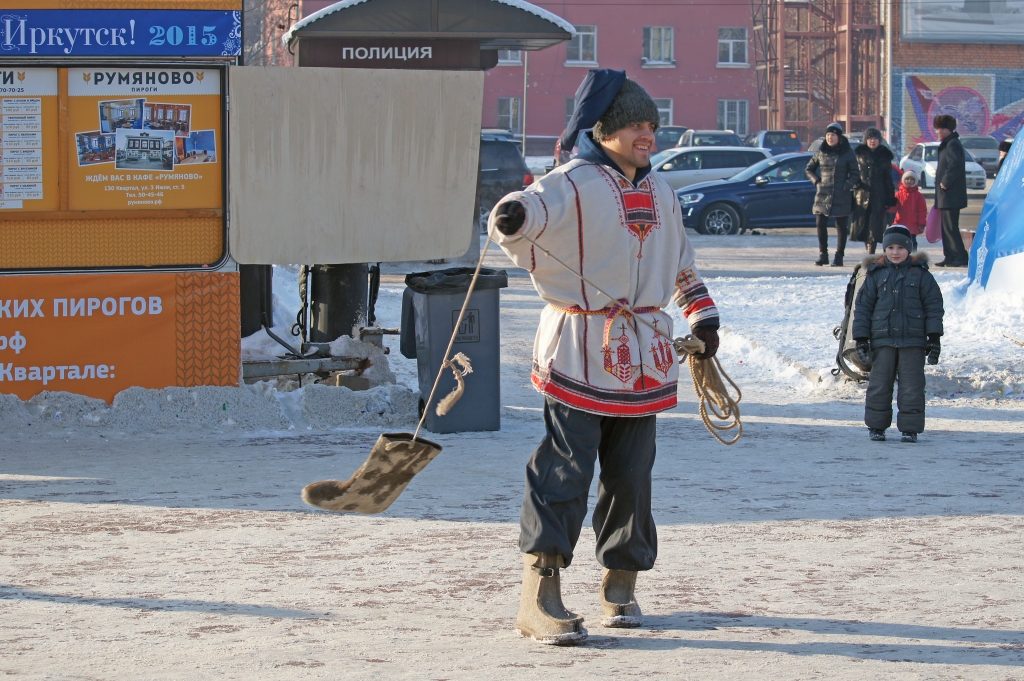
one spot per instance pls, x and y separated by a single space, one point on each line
430 308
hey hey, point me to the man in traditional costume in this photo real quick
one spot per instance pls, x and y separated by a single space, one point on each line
604 376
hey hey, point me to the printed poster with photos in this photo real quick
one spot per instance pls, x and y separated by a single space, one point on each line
28 140
145 139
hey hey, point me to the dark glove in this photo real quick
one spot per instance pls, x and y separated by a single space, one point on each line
510 217
710 337
864 351
932 347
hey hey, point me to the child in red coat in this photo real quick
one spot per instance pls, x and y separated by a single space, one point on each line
911 210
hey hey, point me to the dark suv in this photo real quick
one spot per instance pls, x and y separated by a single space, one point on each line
502 170
778 141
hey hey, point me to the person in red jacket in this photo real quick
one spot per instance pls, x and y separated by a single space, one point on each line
911 209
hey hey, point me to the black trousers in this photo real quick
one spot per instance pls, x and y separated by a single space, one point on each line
842 232
875 216
888 365
558 479
952 243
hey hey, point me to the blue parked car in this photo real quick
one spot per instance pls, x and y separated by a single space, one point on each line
779 141
772 193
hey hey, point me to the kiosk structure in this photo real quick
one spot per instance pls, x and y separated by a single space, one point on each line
140 166
114 267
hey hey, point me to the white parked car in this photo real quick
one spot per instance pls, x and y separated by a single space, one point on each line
683 166
923 158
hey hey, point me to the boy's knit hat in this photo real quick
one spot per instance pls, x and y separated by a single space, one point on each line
911 175
631 105
897 235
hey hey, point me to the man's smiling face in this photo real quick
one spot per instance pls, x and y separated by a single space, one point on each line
631 145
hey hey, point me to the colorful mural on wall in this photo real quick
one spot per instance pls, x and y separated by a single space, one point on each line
978 102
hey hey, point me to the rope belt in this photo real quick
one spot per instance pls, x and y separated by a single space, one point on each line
708 374
620 307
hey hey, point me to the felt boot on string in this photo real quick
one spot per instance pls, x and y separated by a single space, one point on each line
618 604
542 616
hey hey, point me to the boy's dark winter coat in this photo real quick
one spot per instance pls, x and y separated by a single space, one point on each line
952 172
898 306
876 185
838 177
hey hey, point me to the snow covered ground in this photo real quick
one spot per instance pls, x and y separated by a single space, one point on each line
163 537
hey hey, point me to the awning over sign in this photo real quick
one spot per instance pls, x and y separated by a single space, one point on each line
494 24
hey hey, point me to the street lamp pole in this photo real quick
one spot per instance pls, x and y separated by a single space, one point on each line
526 85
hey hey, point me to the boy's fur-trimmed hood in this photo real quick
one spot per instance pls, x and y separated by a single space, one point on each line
918 258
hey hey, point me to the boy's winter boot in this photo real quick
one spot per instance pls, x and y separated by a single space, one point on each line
876 434
908 436
542 616
618 606
822 259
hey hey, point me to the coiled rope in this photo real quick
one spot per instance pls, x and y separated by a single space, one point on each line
713 396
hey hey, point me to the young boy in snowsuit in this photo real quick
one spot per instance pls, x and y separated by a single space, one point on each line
911 209
897 324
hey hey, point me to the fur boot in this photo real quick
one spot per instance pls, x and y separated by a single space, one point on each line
542 616
618 605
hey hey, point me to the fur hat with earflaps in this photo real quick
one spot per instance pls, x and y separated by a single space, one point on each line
944 121
631 105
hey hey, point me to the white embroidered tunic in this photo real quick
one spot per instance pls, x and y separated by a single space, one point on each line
630 242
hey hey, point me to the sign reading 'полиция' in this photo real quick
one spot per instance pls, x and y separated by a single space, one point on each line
120 33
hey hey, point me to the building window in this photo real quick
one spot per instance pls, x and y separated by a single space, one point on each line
658 46
664 111
570 106
510 57
732 46
732 115
582 48
508 113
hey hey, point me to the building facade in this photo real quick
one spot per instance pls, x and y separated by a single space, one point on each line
694 58
963 58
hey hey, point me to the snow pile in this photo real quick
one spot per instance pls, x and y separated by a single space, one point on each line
977 357
779 322
379 372
258 407
139 409
388 406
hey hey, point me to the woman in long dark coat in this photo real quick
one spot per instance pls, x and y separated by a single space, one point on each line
833 169
876 193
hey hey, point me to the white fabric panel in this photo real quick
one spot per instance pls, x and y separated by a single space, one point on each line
1007 274
351 165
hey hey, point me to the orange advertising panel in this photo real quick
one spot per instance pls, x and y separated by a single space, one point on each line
144 138
28 140
96 335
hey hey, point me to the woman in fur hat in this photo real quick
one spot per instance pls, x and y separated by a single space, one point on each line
875 194
833 169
